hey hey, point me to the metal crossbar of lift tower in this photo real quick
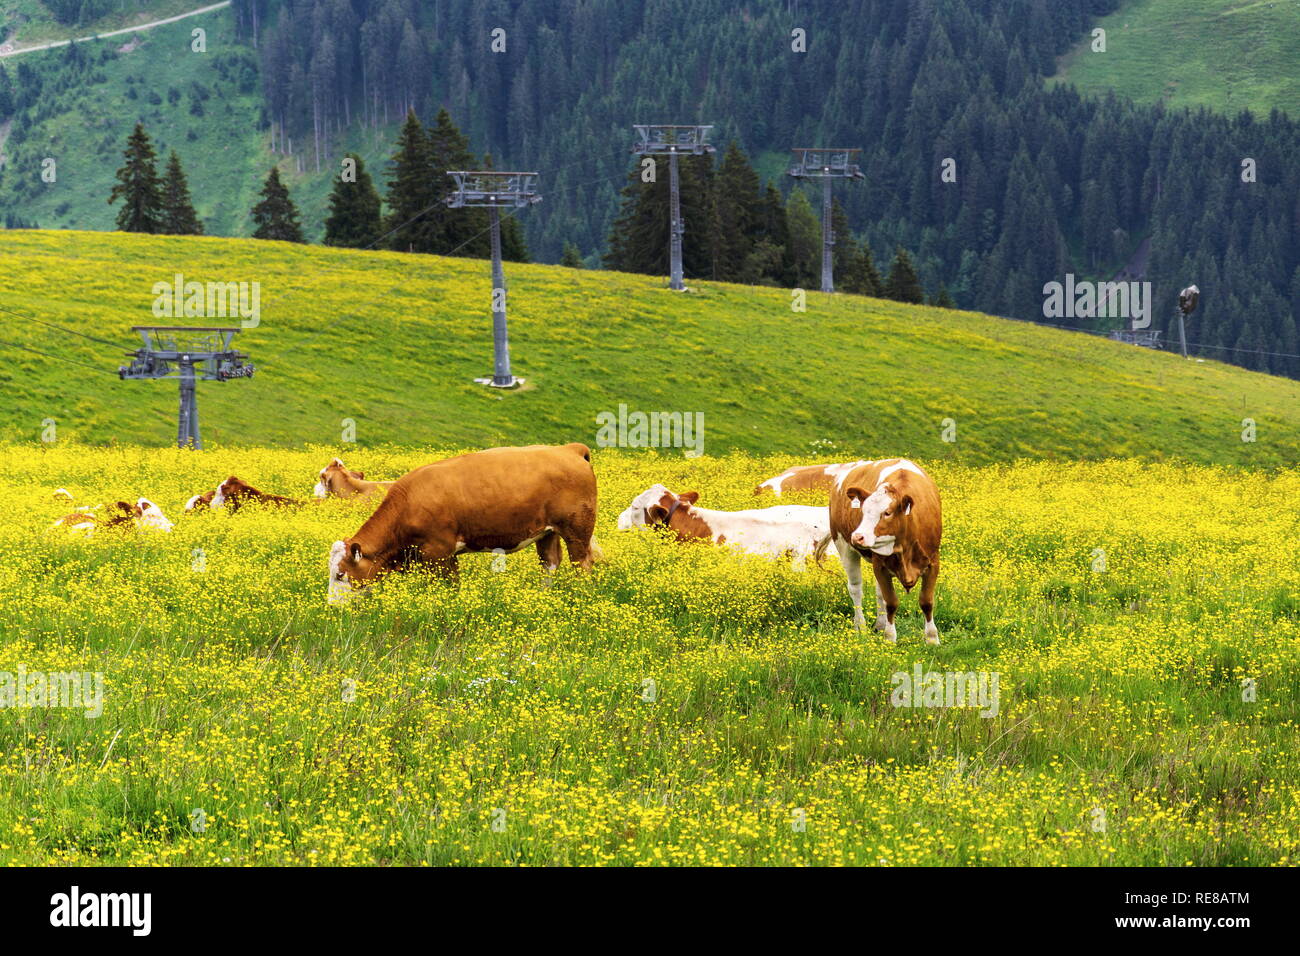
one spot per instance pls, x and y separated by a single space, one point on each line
812 163
492 187
665 140
186 338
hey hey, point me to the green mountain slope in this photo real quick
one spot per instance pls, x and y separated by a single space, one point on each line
392 342
1227 55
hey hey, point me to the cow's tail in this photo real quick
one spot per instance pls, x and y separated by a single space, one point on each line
819 553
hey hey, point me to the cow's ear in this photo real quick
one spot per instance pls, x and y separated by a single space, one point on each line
655 514
359 474
905 504
856 496
335 463
355 552
690 497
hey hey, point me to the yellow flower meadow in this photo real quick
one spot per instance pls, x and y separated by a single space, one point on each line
680 705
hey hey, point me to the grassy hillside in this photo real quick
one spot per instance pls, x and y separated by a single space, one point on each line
206 106
1227 55
393 341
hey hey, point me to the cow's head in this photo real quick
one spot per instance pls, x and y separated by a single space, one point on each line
885 513
148 515
333 480
653 506
233 490
200 501
351 570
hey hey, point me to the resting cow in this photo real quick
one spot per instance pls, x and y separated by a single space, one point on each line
888 511
144 515
792 530
499 500
806 478
235 492
337 481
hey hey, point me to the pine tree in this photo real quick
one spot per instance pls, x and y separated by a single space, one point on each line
460 231
736 215
805 242
276 215
354 219
572 257
943 300
137 186
178 215
638 241
902 284
861 276
412 194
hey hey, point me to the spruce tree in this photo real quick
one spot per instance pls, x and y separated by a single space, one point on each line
412 194
354 219
462 231
137 186
736 215
902 284
178 215
572 257
861 276
276 216
943 300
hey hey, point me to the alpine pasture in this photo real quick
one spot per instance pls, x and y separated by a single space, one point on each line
1114 552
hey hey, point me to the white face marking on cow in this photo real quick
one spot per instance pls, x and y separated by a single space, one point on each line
218 499
189 505
634 514
340 587
320 491
864 535
151 516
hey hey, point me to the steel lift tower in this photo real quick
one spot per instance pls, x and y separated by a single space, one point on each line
673 141
496 190
826 165
189 354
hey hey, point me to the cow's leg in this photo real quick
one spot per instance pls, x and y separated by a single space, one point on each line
851 561
881 618
577 530
885 585
928 581
549 551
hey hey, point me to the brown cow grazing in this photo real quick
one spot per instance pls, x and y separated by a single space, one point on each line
889 511
235 492
338 481
806 478
499 500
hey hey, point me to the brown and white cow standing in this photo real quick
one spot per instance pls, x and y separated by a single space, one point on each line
499 500
806 478
888 511
336 480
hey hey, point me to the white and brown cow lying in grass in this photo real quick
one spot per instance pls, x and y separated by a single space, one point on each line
786 530
234 493
806 478
888 511
336 480
144 515
499 500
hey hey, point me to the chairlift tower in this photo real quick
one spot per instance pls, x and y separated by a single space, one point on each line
495 190
673 141
826 165
189 354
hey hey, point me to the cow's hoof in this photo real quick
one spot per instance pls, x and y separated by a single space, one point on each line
932 635
882 623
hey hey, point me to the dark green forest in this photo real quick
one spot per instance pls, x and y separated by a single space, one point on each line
1043 182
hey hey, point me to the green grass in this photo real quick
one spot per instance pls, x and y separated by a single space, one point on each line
393 341
1227 55
30 23
153 78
